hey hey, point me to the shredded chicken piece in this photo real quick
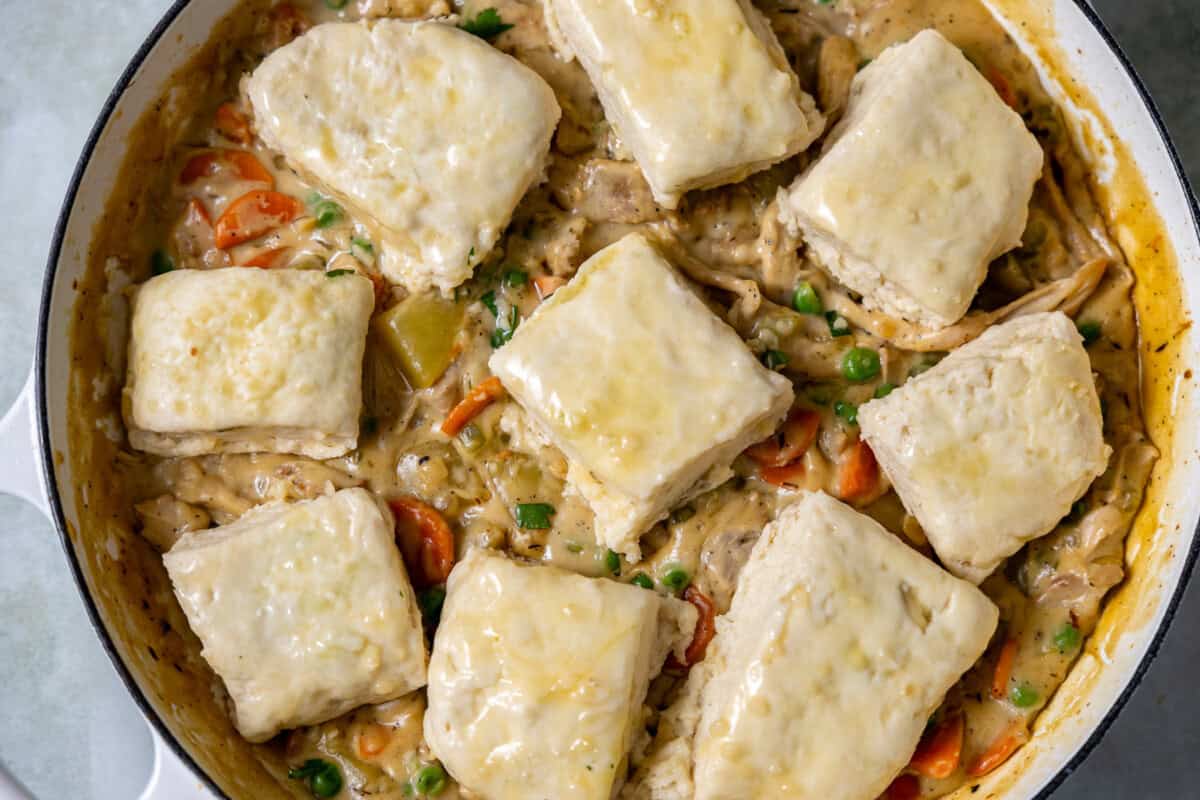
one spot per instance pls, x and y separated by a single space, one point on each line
749 295
837 65
1066 295
165 518
778 253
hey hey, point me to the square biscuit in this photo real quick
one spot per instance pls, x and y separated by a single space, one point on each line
990 448
304 610
427 134
538 677
243 360
645 390
925 180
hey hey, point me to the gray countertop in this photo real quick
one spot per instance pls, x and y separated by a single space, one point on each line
70 731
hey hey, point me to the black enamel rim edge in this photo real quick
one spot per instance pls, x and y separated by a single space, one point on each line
49 478
43 423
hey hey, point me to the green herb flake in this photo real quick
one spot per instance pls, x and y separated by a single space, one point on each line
612 562
337 273
838 325
323 778
327 213
534 516
643 580
515 278
502 334
487 24
883 390
1090 331
775 359
161 263
336 5
489 301
847 411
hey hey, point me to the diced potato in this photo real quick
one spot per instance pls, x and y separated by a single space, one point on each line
420 332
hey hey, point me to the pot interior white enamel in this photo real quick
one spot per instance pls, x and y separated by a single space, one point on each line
1141 185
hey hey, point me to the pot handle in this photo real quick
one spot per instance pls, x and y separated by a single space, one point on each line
20 472
171 779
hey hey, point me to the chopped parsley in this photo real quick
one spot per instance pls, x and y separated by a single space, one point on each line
643 580
1089 330
612 562
487 24
534 516
337 273
516 277
838 325
503 334
883 390
775 359
489 300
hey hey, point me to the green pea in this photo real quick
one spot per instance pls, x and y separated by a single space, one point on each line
806 300
612 562
430 779
675 578
883 390
1066 639
1023 695
642 580
860 364
1089 330
847 411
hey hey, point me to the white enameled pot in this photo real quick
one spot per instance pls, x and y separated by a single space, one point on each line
197 757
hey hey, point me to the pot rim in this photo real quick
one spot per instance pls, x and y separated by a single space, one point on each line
59 518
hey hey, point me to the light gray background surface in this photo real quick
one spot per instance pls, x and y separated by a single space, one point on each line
68 730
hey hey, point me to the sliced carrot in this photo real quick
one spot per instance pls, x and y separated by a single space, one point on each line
1003 87
472 405
232 124
265 259
905 787
999 751
791 441
1004 668
787 475
373 740
706 629
238 163
547 285
425 540
858 474
939 752
253 215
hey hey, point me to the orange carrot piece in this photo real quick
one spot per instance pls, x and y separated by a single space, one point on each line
254 214
787 475
939 752
240 164
858 474
905 787
999 751
706 629
547 285
1003 87
791 441
373 740
232 124
472 405
425 540
1004 668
